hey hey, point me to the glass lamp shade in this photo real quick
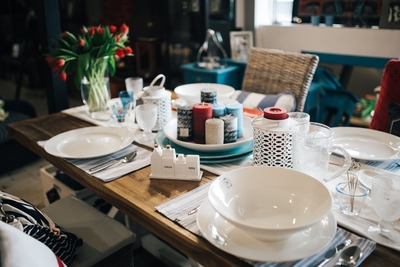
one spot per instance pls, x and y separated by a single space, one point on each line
211 52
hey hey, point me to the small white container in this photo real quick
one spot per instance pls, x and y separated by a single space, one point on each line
180 166
273 140
156 94
156 161
168 162
193 165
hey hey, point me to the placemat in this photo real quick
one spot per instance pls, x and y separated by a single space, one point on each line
182 210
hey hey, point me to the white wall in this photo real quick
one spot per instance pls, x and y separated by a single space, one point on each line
337 40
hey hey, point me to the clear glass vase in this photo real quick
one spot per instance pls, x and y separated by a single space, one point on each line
95 90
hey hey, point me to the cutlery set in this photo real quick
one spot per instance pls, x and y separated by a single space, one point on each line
341 255
124 159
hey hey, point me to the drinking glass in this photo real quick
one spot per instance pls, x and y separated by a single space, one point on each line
119 111
146 117
127 99
313 149
134 84
300 117
385 196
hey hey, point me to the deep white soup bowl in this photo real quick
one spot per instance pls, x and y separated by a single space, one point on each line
270 203
192 92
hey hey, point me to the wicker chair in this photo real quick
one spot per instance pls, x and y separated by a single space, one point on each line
270 71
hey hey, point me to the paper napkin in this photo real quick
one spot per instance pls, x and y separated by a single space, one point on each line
115 171
119 169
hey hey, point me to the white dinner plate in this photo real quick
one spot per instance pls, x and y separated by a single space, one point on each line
367 144
163 141
170 130
235 241
89 142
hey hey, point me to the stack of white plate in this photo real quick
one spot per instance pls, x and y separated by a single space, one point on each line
267 214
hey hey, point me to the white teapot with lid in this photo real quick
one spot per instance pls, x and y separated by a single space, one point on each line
156 94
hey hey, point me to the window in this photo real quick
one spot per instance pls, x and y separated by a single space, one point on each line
269 12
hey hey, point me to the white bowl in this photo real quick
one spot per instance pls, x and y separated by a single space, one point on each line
270 203
192 92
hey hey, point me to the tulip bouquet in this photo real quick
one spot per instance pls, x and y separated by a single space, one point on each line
89 58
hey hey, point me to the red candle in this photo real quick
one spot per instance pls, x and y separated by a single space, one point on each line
201 113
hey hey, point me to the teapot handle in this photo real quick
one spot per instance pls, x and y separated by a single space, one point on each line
162 76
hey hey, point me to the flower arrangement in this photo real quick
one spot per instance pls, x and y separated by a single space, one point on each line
87 57
76 55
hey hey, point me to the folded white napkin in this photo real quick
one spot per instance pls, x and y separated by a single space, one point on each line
182 210
117 170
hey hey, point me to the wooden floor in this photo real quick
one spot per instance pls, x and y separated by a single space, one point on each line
25 183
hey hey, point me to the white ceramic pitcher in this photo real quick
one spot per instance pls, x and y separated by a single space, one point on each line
313 151
156 94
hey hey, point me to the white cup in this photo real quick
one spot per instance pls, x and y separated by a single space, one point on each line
134 84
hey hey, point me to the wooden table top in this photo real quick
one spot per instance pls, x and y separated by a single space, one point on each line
136 195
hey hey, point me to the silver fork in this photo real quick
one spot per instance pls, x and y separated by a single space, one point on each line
128 158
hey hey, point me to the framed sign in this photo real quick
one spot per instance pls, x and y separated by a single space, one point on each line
364 13
241 43
390 15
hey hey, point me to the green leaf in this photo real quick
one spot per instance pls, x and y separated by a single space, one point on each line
111 66
63 42
68 52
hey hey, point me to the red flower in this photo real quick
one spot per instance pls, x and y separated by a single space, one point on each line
92 31
113 29
124 29
49 60
60 62
128 50
81 42
63 76
117 39
100 31
120 53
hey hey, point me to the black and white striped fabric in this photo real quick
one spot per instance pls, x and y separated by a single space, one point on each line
38 225
260 101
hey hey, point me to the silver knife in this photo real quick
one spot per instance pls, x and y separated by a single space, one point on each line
106 164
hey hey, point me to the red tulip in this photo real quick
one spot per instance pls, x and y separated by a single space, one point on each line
124 28
92 31
113 29
63 76
81 42
120 53
117 39
128 50
60 62
56 69
100 31
49 60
